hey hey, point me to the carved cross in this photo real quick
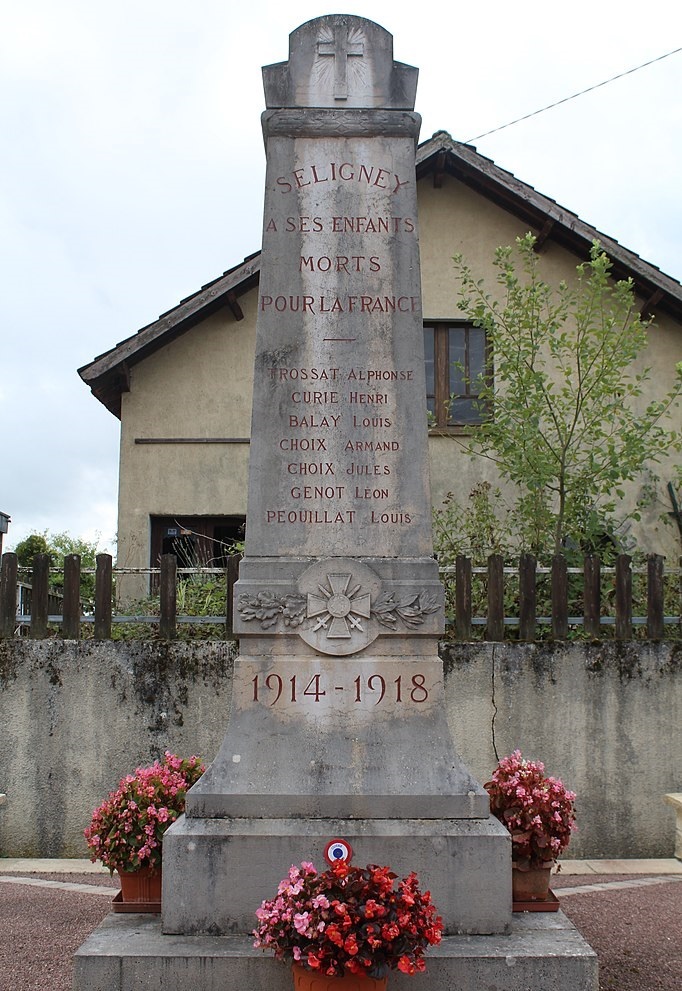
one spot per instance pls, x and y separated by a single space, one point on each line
341 49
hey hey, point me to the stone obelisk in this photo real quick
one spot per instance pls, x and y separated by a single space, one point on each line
338 720
337 726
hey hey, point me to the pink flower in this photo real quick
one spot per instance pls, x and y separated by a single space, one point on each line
537 810
130 823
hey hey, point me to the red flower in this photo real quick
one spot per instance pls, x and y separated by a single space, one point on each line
406 965
350 944
334 935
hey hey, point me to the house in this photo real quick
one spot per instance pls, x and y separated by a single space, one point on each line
182 385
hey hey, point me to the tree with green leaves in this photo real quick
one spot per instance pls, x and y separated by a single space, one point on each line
564 416
58 546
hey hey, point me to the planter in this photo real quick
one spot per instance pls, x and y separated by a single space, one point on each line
140 891
531 885
310 980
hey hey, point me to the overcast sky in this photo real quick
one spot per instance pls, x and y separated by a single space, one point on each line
132 170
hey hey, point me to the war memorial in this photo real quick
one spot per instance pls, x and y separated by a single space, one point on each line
337 725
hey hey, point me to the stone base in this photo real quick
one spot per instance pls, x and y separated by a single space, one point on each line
543 952
216 872
328 737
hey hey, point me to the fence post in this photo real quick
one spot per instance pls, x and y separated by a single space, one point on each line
623 598
232 575
527 597
71 609
654 597
169 596
592 595
559 597
103 586
462 597
39 590
496 597
8 595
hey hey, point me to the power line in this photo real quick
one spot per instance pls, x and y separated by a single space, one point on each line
566 99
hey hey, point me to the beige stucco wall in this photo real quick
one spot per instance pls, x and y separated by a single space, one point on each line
605 717
200 386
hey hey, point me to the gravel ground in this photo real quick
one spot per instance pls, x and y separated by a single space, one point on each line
636 931
43 927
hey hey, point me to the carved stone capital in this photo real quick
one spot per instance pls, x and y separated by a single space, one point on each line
339 606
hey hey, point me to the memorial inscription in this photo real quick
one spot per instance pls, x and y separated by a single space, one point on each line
339 270
366 687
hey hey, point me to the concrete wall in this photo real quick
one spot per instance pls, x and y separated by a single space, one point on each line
76 717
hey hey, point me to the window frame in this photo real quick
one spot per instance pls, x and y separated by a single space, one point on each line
441 395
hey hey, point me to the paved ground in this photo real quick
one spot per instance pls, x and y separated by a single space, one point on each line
629 911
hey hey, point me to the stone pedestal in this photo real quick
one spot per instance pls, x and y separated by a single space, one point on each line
465 864
316 750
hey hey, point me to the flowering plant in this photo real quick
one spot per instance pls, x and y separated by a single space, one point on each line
127 828
536 809
349 919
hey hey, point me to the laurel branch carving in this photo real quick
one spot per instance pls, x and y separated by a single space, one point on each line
410 609
267 609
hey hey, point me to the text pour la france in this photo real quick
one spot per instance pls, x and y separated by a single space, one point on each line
339 304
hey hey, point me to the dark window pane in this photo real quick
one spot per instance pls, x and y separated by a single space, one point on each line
430 363
476 356
457 360
464 411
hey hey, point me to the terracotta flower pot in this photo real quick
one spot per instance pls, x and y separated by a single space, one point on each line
310 980
531 885
143 886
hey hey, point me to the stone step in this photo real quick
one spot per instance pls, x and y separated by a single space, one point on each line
544 952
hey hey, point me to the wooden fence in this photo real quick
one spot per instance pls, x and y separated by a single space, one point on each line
475 599
25 601
604 595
